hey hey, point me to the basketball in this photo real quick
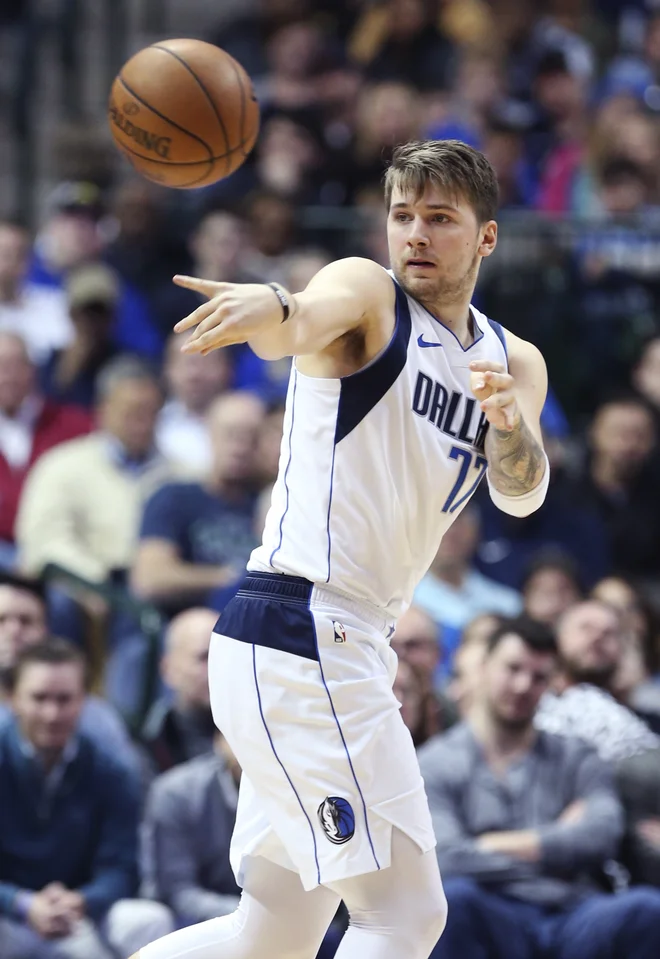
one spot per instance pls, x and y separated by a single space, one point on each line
184 113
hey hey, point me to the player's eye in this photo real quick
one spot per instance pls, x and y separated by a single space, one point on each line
441 218
401 217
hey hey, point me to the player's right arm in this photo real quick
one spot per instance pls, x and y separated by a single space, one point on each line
345 295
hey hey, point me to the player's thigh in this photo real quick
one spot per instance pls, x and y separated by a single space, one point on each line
409 893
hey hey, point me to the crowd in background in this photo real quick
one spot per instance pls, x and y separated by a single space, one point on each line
134 482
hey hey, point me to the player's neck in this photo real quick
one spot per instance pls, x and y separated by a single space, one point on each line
456 315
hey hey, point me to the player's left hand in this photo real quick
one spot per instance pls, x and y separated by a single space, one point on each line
494 389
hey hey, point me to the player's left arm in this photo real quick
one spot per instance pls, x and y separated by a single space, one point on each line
512 402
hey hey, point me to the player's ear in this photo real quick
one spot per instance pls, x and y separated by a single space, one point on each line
488 238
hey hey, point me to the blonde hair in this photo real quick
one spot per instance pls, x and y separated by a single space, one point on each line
450 164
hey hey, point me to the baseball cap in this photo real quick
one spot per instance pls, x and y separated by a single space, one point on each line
76 196
93 283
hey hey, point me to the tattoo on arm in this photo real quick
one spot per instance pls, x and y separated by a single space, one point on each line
515 460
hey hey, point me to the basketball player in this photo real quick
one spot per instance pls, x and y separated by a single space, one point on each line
402 396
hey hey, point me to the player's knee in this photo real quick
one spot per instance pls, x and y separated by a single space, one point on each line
433 917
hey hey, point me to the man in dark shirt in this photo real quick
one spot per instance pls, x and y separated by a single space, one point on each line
197 538
68 824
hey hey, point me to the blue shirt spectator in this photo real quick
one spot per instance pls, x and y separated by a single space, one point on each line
197 538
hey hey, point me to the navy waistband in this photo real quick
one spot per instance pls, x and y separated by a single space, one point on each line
294 589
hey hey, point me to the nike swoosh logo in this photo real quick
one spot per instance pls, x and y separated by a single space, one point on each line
424 343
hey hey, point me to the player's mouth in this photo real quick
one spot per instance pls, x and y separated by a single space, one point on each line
420 264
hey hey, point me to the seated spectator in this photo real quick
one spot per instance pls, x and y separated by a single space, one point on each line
646 374
69 374
567 523
180 726
464 685
29 426
71 236
417 644
550 587
414 696
23 625
36 314
68 825
621 480
591 644
187 828
453 591
399 40
636 682
197 538
192 382
524 822
82 503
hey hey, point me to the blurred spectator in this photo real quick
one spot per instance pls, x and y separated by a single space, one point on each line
69 825
567 524
646 376
591 643
413 695
453 591
180 726
192 382
197 538
562 94
23 625
296 61
524 820
550 587
637 680
69 374
269 444
417 643
638 75
272 235
70 236
81 505
187 828
400 40
147 250
36 314
503 144
464 685
591 646
477 89
29 426
387 114
620 479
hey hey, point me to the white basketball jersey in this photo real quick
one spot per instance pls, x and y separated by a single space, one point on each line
375 466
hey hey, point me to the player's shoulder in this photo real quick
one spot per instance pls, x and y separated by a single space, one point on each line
358 272
522 350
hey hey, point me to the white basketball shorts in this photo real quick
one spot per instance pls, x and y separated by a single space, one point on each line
301 687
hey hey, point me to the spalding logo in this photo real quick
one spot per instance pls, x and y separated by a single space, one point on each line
130 108
144 138
337 819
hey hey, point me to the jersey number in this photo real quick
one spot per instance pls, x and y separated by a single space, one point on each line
465 458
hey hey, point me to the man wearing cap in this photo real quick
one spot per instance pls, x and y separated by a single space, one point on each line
70 373
71 236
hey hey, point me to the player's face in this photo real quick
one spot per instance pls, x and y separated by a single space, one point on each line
47 701
436 245
515 677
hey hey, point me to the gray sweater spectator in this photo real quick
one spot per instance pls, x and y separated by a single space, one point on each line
526 822
186 833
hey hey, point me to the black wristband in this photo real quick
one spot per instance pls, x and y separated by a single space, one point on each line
283 298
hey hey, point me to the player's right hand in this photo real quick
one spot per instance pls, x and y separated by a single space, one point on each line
233 314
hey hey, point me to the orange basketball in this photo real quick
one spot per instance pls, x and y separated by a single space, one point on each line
184 113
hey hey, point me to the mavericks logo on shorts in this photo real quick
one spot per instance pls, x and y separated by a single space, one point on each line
338 819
